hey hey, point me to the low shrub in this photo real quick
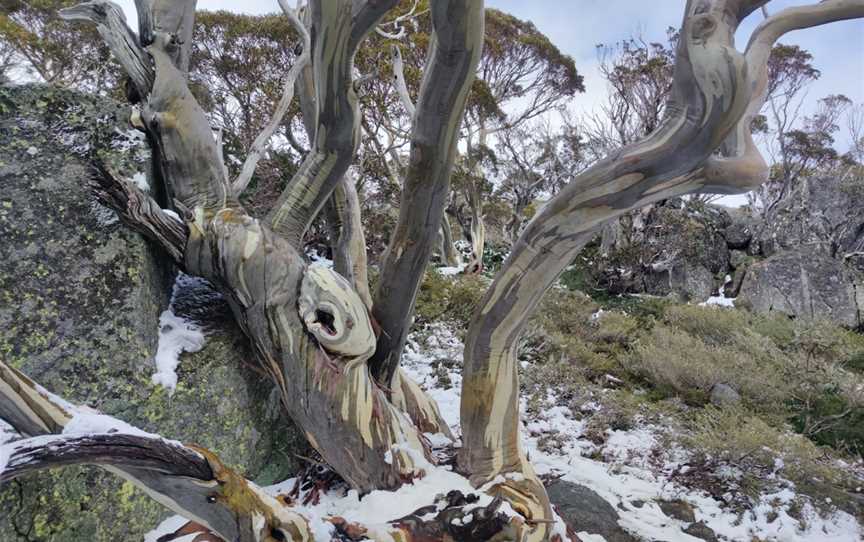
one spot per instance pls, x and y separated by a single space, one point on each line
736 453
449 298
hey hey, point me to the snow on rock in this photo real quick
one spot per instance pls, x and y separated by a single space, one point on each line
140 180
720 300
448 271
176 335
319 259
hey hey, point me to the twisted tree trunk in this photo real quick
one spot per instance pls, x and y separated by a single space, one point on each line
311 327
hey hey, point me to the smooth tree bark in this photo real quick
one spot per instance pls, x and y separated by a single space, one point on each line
311 327
453 57
716 90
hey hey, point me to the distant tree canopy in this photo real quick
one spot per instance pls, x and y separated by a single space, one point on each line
34 38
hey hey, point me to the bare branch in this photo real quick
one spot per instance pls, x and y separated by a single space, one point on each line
29 408
399 80
140 212
349 252
259 145
336 120
111 25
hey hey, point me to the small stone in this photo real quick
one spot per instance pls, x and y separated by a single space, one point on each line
724 395
584 510
32 151
678 509
700 530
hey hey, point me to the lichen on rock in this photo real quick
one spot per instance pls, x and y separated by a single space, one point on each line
80 298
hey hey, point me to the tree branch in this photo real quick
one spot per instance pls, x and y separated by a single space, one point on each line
670 161
140 212
450 69
260 143
399 80
111 25
337 30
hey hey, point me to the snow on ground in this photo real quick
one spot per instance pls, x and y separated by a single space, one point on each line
626 477
176 335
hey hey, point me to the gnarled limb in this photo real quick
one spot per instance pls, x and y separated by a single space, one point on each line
714 89
450 70
111 25
140 211
448 251
337 30
349 252
317 355
667 162
399 80
194 483
187 154
189 480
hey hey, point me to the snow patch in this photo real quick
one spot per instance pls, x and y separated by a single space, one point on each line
720 300
87 422
140 180
176 335
318 259
627 472
450 271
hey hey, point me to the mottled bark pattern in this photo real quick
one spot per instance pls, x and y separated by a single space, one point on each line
450 70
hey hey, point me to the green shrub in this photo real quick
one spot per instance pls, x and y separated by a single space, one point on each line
681 364
449 298
856 362
433 297
740 453
712 324
831 419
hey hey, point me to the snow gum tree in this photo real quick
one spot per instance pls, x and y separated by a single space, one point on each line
311 328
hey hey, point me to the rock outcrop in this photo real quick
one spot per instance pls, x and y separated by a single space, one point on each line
80 298
804 285
805 260
813 265
674 248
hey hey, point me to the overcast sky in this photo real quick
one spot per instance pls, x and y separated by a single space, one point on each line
577 26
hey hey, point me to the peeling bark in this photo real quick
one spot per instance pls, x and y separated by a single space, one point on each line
311 328
336 33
